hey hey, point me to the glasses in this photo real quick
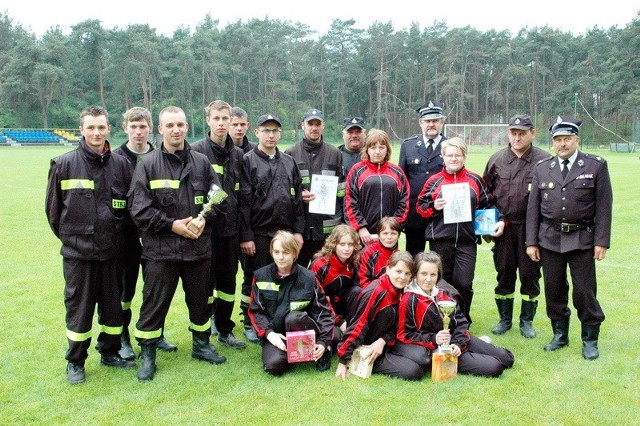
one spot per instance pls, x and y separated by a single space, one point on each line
453 156
270 131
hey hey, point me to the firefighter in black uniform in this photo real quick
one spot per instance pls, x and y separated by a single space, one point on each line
508 176
86 208
226 160
169 189
420 159
569 225
238 129
316 157
137 124
270 200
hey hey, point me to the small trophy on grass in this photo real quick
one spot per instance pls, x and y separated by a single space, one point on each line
215 196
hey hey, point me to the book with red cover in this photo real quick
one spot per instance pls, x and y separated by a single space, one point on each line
300 345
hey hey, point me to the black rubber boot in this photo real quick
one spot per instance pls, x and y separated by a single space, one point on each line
590 335
205 351
560 335
164 345
126 350
505 311
527 313
148 366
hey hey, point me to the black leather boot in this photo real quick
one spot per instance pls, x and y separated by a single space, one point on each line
505 310
590 335
204 351
560 335
126 350
527 313
164 345
148 366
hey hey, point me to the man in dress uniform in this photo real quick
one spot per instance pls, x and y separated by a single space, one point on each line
420 159
508 176
569 224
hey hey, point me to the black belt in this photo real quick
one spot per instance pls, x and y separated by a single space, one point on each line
568 227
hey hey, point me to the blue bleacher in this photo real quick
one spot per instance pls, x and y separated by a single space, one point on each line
28 136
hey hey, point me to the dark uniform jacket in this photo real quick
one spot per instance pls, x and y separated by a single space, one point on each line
374 191
585 198
380 295
349 159
273 297
509 178
246 145
419 319
319 159
132 237
462 232
86 203
227 164
270 196
418 166
168 187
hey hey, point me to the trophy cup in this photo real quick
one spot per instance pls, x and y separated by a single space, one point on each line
444 365
446 307
215 196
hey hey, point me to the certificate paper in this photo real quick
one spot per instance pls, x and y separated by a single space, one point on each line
458 207
326 190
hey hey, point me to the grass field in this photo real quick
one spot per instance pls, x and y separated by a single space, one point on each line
542 388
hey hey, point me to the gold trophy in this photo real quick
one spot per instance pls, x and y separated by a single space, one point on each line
446 307
444 365
216 195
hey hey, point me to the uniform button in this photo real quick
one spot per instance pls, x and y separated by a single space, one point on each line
564 208
564 189
564 198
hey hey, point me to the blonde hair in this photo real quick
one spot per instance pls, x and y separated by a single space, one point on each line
334 238
455 143
375 137
287 241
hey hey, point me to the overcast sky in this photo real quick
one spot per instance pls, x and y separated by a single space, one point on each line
566 15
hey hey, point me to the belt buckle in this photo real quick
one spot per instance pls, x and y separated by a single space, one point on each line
565 227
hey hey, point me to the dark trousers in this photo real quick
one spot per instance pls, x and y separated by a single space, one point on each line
250 264
484 359
222 284
509 258
273 359
130 269
160 283
309 248
582 267
415 241
89 283
458 268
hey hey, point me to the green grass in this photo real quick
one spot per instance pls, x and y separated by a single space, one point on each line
542 388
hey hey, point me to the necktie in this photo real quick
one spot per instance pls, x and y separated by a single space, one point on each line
430 147
565 168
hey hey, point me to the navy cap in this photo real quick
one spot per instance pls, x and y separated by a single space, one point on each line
520 122
351 122
269 117
431 110
313 114
565 126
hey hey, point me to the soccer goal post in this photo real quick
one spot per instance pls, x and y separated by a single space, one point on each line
478 134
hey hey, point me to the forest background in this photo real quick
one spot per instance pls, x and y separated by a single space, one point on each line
271 65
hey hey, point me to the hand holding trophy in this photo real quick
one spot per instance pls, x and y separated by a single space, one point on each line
215 196
444 365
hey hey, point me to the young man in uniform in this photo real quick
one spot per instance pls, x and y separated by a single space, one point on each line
138 125
270 200
226 161
420 159
353 135
569 225
508 176
316 157
169 189
86 207
238 129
